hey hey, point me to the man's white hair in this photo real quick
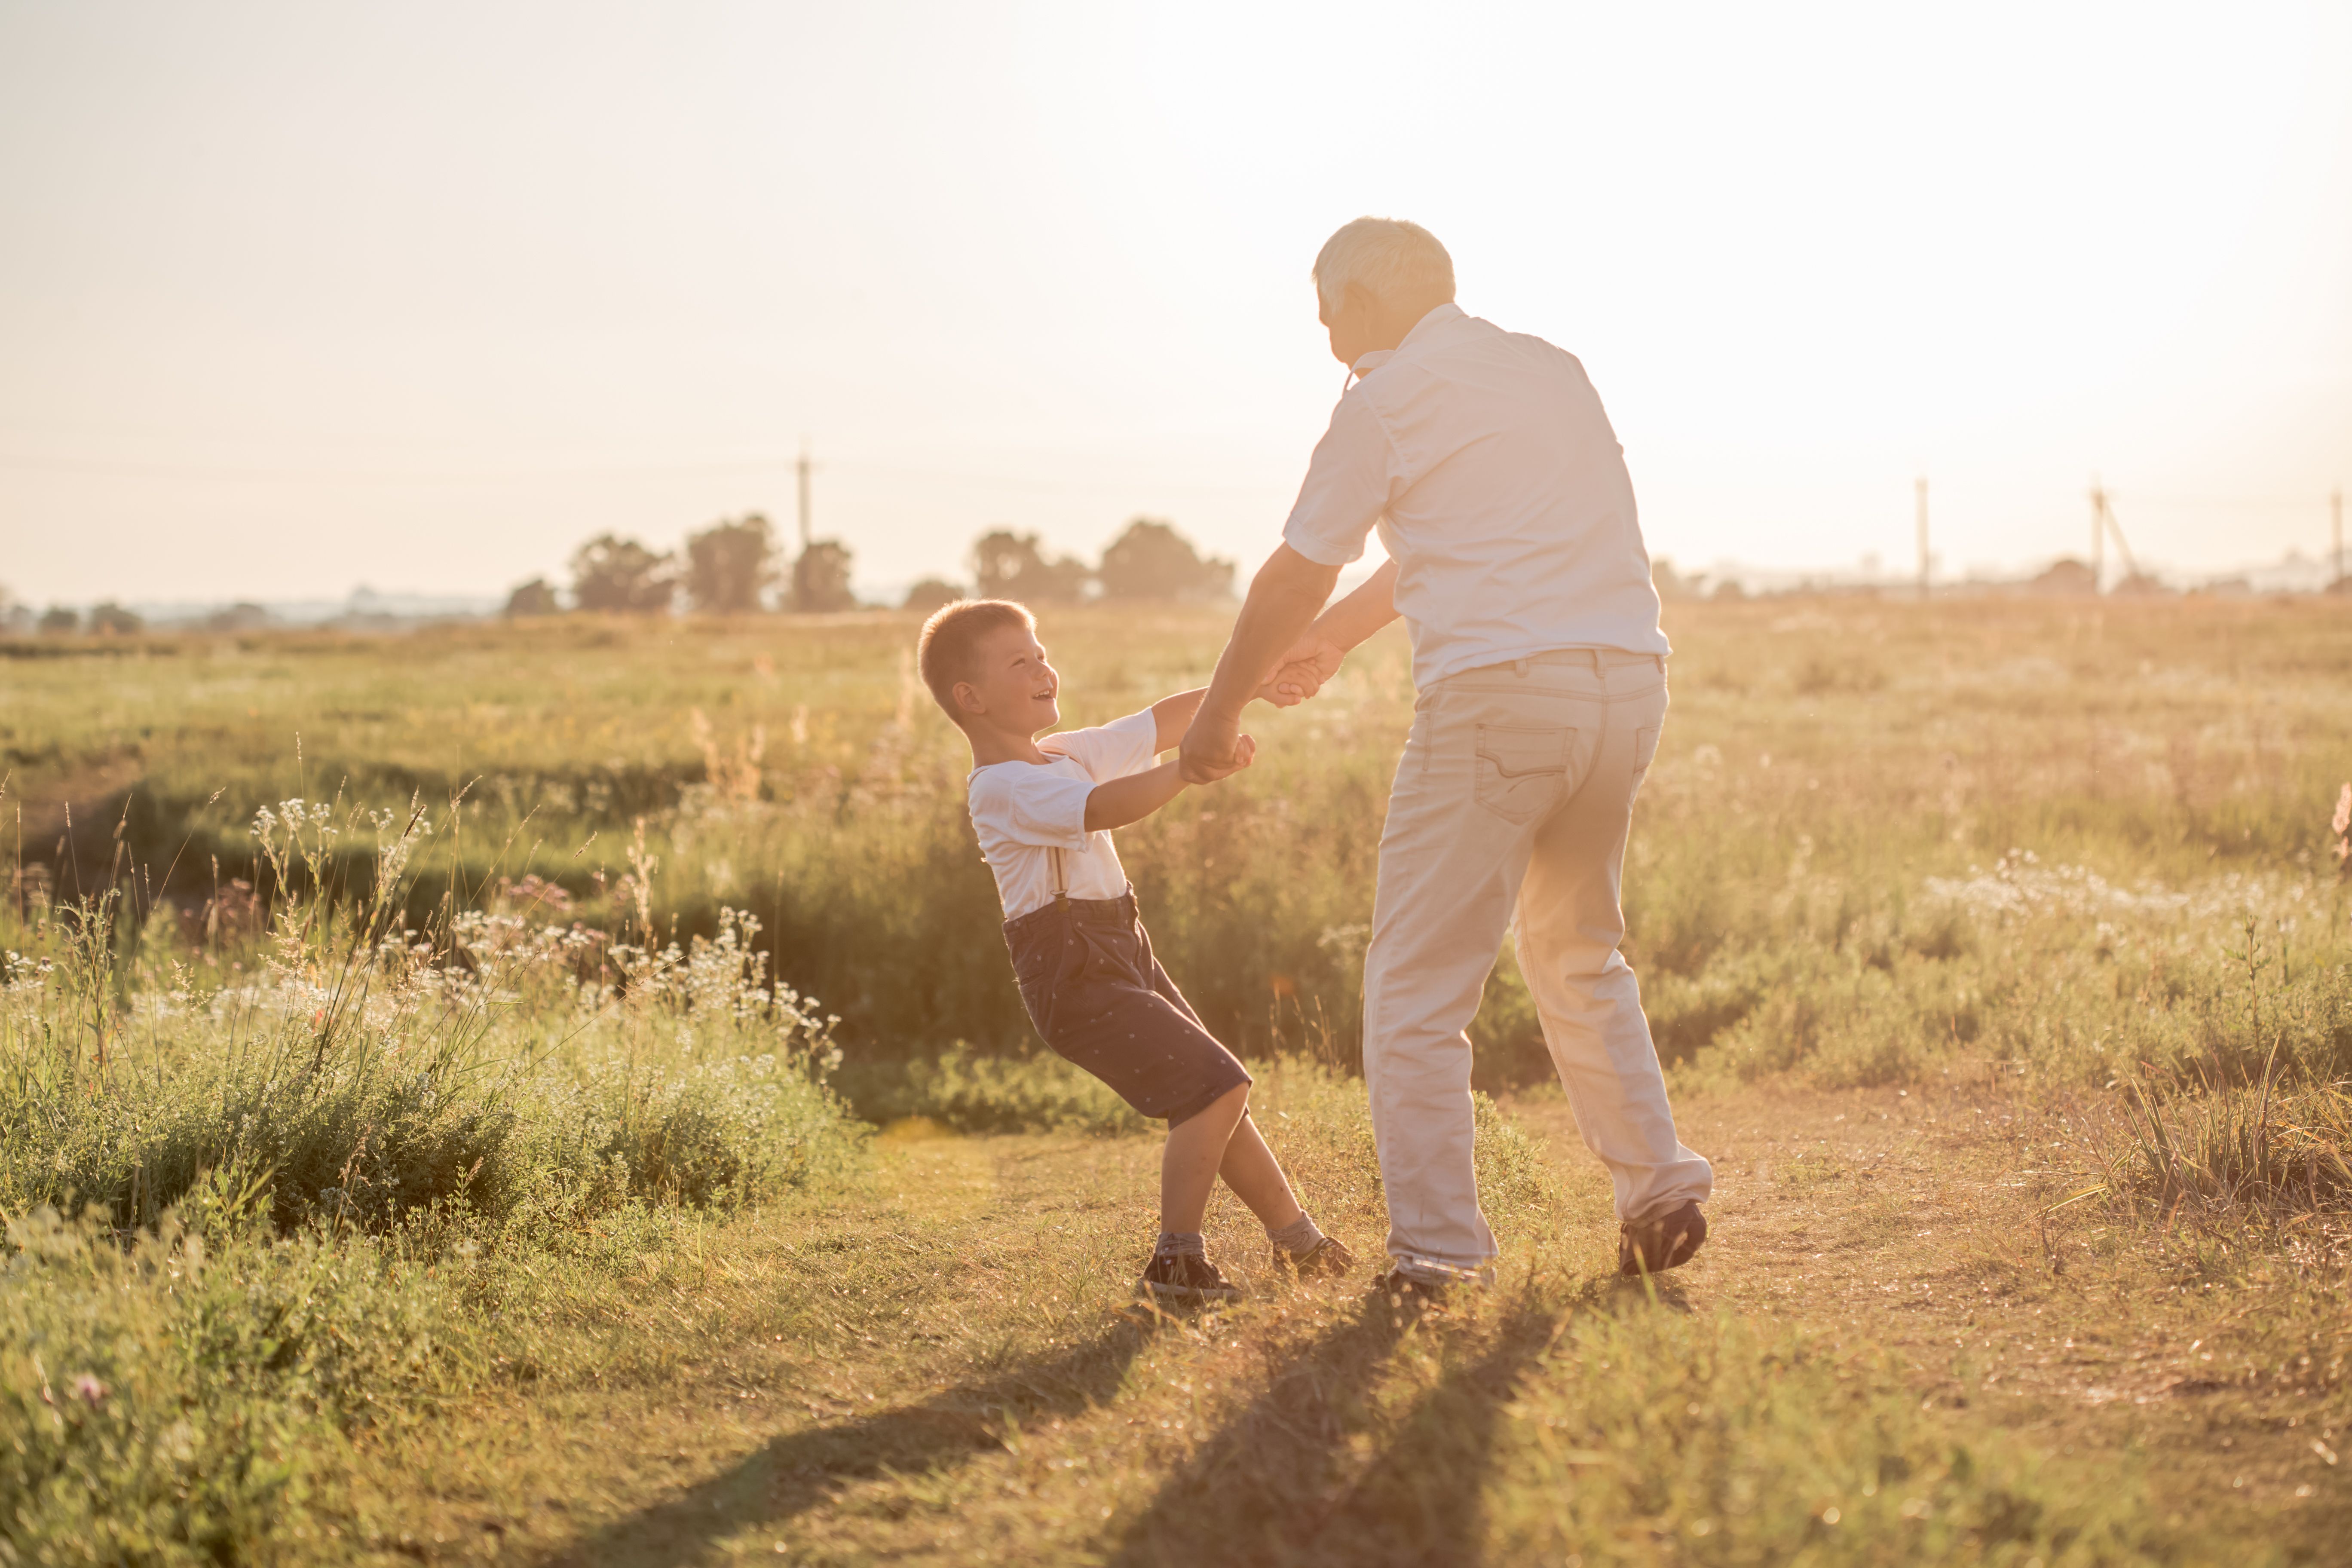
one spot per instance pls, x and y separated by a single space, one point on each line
1395 259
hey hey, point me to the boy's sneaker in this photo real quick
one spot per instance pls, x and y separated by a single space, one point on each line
1654 1245
1184 1276
1327 1257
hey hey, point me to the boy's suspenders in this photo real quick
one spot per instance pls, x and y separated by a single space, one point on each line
1060 878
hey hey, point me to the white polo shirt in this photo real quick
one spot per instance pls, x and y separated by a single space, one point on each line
1026 812
1499 489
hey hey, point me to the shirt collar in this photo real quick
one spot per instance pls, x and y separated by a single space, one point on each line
1367 363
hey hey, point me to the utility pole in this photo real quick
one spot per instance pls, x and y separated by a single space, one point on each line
801 469
2098 536
1923 536
2335 526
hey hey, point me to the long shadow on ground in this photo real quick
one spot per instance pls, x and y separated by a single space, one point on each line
793 1475
1273 1487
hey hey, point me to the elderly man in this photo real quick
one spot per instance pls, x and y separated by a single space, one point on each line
1498 488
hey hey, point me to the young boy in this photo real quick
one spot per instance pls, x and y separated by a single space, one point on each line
1043 813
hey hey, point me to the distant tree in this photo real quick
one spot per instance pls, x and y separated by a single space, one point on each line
2066 575
613 574
14 619
1152 561
242 616
1008 565
1673 585
821 579
727 563
931 593
59 618
532 598
110 619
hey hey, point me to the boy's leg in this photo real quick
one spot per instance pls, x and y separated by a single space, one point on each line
1570 923
1188 1166
1256 1176
1248 1166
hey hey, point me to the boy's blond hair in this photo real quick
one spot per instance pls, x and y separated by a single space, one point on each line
943 654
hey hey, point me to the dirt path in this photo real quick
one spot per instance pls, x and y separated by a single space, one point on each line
937 1369
1925 1225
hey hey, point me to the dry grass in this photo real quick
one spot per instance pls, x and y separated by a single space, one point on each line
943 1369
2000 948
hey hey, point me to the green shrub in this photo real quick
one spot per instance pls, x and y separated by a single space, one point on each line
399 1083
186 1398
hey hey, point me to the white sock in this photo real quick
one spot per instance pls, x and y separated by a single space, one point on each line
1299 1238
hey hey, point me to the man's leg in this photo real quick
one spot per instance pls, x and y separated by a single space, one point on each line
1450 869
1570 923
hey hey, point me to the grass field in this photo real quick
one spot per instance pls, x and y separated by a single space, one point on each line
479 1157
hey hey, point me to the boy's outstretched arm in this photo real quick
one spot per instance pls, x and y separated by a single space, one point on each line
1137 795
1174 714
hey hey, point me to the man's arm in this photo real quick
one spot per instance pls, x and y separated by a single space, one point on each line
1172 714
1314 657
1282 599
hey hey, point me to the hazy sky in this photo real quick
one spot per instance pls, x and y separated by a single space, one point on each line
295 297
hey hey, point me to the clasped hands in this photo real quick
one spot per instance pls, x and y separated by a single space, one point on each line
1213 745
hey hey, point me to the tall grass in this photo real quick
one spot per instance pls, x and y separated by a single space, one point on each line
247 1219
1829 873
366 1071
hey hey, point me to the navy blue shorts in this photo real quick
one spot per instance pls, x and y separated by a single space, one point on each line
1102 1001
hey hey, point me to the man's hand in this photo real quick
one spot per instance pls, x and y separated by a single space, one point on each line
1280 606
1310 661
1290 684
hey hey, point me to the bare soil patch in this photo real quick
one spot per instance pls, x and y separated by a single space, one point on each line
1938 1225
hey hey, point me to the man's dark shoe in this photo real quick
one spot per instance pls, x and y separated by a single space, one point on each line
1184 1277
1654 1245
1326 1258
1409 1292
1421 1283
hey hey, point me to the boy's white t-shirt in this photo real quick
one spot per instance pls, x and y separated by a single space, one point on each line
1025 811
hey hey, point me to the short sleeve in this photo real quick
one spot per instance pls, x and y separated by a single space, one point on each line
1347 486
1043 806
1111 750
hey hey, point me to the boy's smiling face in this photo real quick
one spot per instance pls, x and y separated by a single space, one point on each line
1012 686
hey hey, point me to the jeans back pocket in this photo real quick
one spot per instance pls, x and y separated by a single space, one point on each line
1522 769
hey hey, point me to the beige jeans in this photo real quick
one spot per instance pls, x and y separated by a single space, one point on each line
1513 799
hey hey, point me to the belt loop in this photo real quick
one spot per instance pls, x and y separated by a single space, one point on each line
1594 655
1520 665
